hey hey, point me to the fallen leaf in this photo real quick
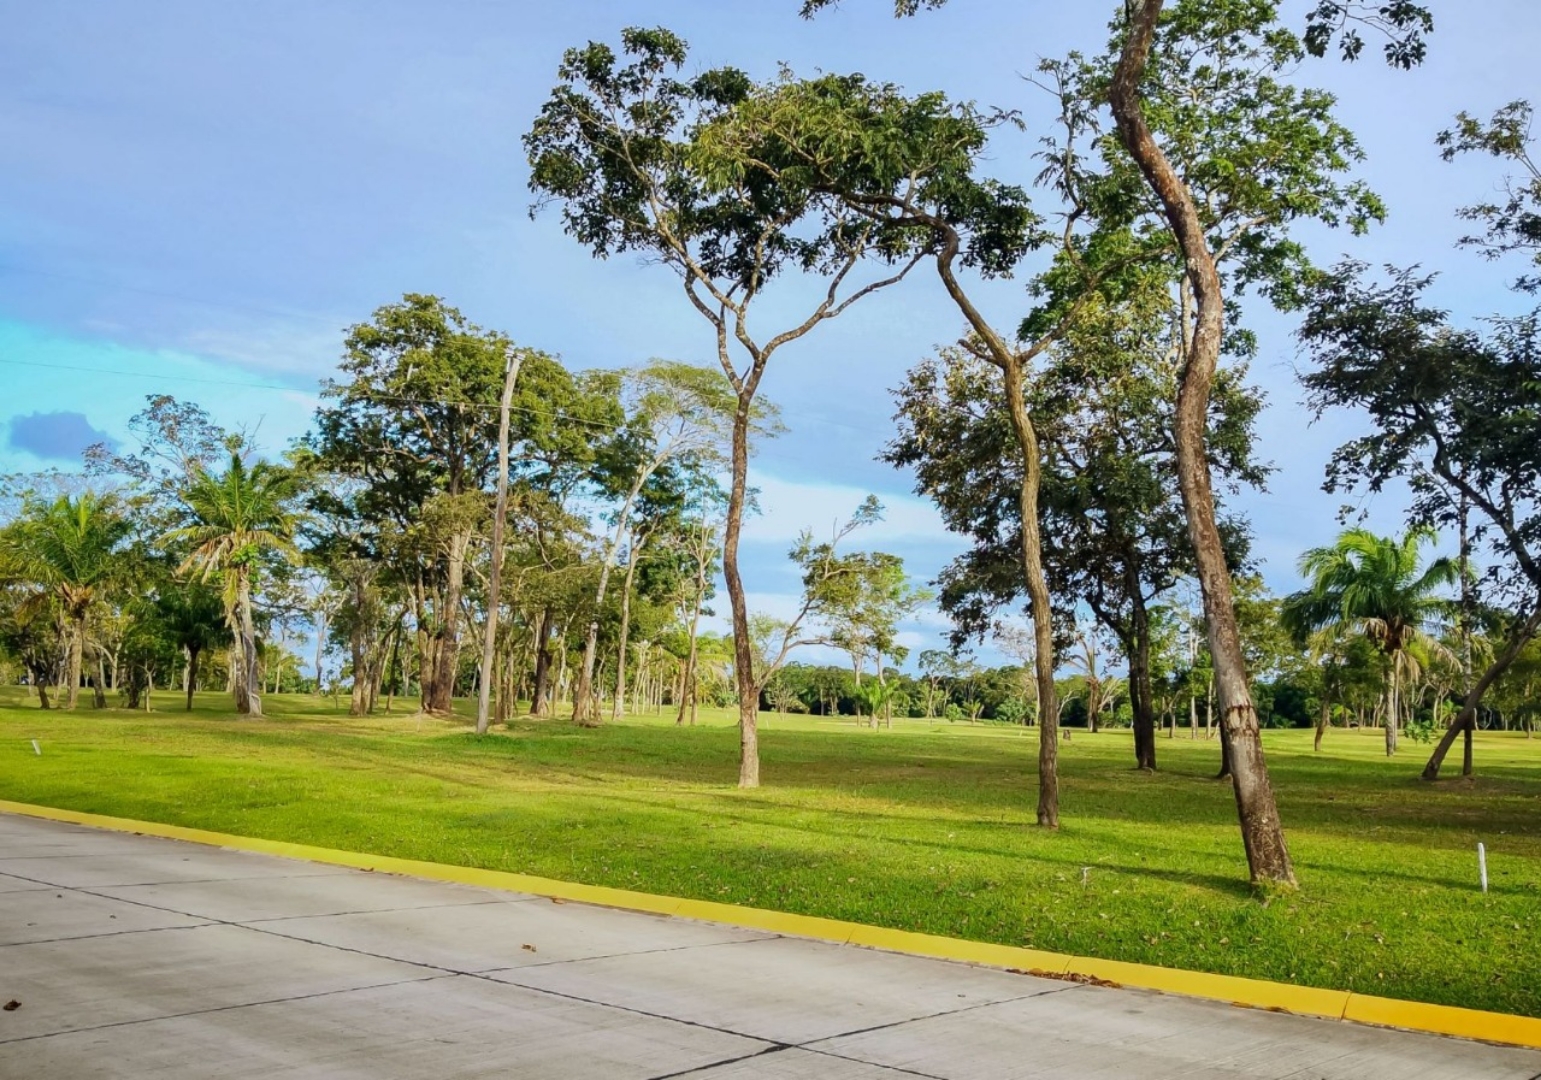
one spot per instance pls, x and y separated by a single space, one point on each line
528 947
12 1005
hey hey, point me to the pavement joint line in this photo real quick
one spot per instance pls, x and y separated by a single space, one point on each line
876 1064
104 934
487 975
719 1064
219 1009
1346 1006
809 1045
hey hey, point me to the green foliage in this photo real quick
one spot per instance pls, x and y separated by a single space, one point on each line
1514 224
1456 413
69 546
234 517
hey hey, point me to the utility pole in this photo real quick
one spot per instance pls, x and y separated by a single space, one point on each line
499 515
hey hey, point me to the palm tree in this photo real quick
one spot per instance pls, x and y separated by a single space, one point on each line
69 547
1380 585
234 517
192 618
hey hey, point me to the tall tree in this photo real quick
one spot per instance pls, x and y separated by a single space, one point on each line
627 149
411 428
192 617
68 548
1382 586
232 519
674 411
861 598
1455 416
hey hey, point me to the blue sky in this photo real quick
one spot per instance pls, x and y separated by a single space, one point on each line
196 198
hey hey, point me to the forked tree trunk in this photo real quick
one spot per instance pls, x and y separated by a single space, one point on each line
1262 833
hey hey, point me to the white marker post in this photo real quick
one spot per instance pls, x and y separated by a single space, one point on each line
1482 864
36 749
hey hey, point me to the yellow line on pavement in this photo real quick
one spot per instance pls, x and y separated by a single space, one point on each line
1248 993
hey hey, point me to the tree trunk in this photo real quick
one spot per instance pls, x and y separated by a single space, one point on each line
1467 721
1038 593
191 675
1262 833
1391 710
99 691
439 679
540 704
1141 696
618 706
585 707
248 700
74 650
499 518
688 676
743 649
1321 722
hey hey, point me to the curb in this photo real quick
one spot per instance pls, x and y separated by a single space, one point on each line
1246 993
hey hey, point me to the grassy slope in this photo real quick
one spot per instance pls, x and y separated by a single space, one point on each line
921 828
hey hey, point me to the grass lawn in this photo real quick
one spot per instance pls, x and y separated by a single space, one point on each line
927 827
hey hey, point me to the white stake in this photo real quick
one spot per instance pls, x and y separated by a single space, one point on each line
36 749
1482 864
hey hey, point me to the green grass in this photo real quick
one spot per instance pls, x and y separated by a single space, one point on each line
923 828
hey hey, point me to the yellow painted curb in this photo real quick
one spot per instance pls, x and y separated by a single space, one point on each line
1444 1020
1250 993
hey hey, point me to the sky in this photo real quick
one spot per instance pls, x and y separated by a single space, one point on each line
197 199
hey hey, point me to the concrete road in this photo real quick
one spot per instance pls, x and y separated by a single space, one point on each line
140 957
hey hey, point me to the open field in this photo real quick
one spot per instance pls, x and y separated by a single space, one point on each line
924 828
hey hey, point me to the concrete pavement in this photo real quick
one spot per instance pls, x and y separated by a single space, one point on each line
134 956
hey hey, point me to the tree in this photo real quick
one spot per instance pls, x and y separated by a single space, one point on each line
499 522
1515 223
192 617
232 519
68 548
173 439
838 132
1113 536
829 582
674 411
630 153
1455 413
1382 586
861 599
